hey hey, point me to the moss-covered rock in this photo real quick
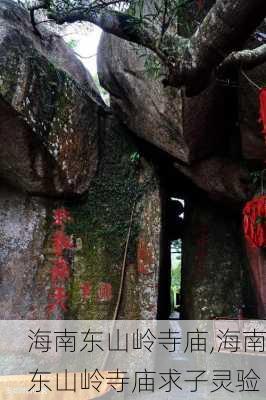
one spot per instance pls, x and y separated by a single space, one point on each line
49 113
115 225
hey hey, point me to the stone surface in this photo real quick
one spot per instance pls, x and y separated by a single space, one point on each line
186 128
222 179
56 140
51 134
51 45
47 113
22 236
213 262
200 131
100 227
257 270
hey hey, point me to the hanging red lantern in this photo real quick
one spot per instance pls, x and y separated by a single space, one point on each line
263 110
254 214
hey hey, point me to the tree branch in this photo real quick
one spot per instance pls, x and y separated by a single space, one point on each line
190 62
248 58
224 30
117 23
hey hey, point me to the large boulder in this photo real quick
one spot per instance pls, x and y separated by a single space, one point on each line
195 132
48 43
116 233
186 128
50 108
57 140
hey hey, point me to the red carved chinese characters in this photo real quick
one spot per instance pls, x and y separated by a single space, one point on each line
86 288
59 297
60 271
61 216
254 222
61 242
145 258
104 292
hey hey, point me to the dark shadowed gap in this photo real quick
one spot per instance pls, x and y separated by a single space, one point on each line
170 270
176 265
176 230
175 190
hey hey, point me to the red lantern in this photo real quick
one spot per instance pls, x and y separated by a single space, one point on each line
254 214
263 110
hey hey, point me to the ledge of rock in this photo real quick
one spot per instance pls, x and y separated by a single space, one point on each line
222 179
